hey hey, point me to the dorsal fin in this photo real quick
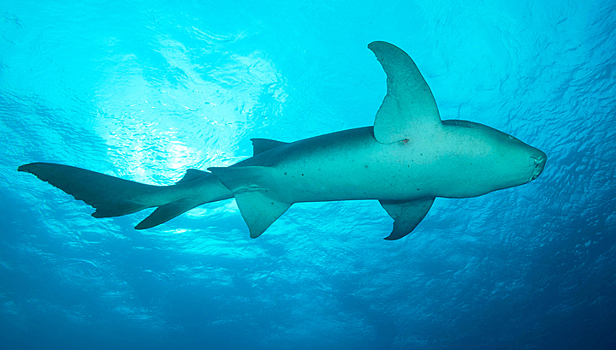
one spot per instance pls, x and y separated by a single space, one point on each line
408 108
262 145
192 174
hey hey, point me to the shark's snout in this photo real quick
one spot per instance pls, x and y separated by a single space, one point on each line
538 161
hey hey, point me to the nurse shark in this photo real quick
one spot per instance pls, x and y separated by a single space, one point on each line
407 159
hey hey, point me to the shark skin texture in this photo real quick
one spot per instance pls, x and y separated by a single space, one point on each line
405 160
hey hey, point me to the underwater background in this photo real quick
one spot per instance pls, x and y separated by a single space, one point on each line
145 90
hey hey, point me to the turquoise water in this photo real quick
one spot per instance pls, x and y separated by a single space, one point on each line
145 90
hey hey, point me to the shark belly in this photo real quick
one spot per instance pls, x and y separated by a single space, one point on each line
406 159
347 165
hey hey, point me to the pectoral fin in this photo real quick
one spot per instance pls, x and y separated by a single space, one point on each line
409 109
406 215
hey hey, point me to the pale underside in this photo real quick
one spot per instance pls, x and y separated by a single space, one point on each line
406 160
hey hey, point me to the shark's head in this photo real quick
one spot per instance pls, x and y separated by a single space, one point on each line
500 160
516 162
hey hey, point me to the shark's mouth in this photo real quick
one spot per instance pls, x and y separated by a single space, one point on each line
539 164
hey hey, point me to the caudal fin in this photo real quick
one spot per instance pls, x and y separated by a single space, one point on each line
110 196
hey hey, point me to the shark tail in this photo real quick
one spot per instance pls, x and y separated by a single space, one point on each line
112 196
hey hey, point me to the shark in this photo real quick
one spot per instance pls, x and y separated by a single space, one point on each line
405 160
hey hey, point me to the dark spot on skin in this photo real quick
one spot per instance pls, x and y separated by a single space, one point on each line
302 174
418 189
272 203
366 166
285 173
421 154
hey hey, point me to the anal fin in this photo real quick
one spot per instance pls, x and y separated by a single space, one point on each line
406 215
167 212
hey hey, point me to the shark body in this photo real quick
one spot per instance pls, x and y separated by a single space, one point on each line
407 159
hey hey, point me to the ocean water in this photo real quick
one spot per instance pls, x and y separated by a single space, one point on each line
147 89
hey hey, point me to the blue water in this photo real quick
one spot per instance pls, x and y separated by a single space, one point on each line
147 89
